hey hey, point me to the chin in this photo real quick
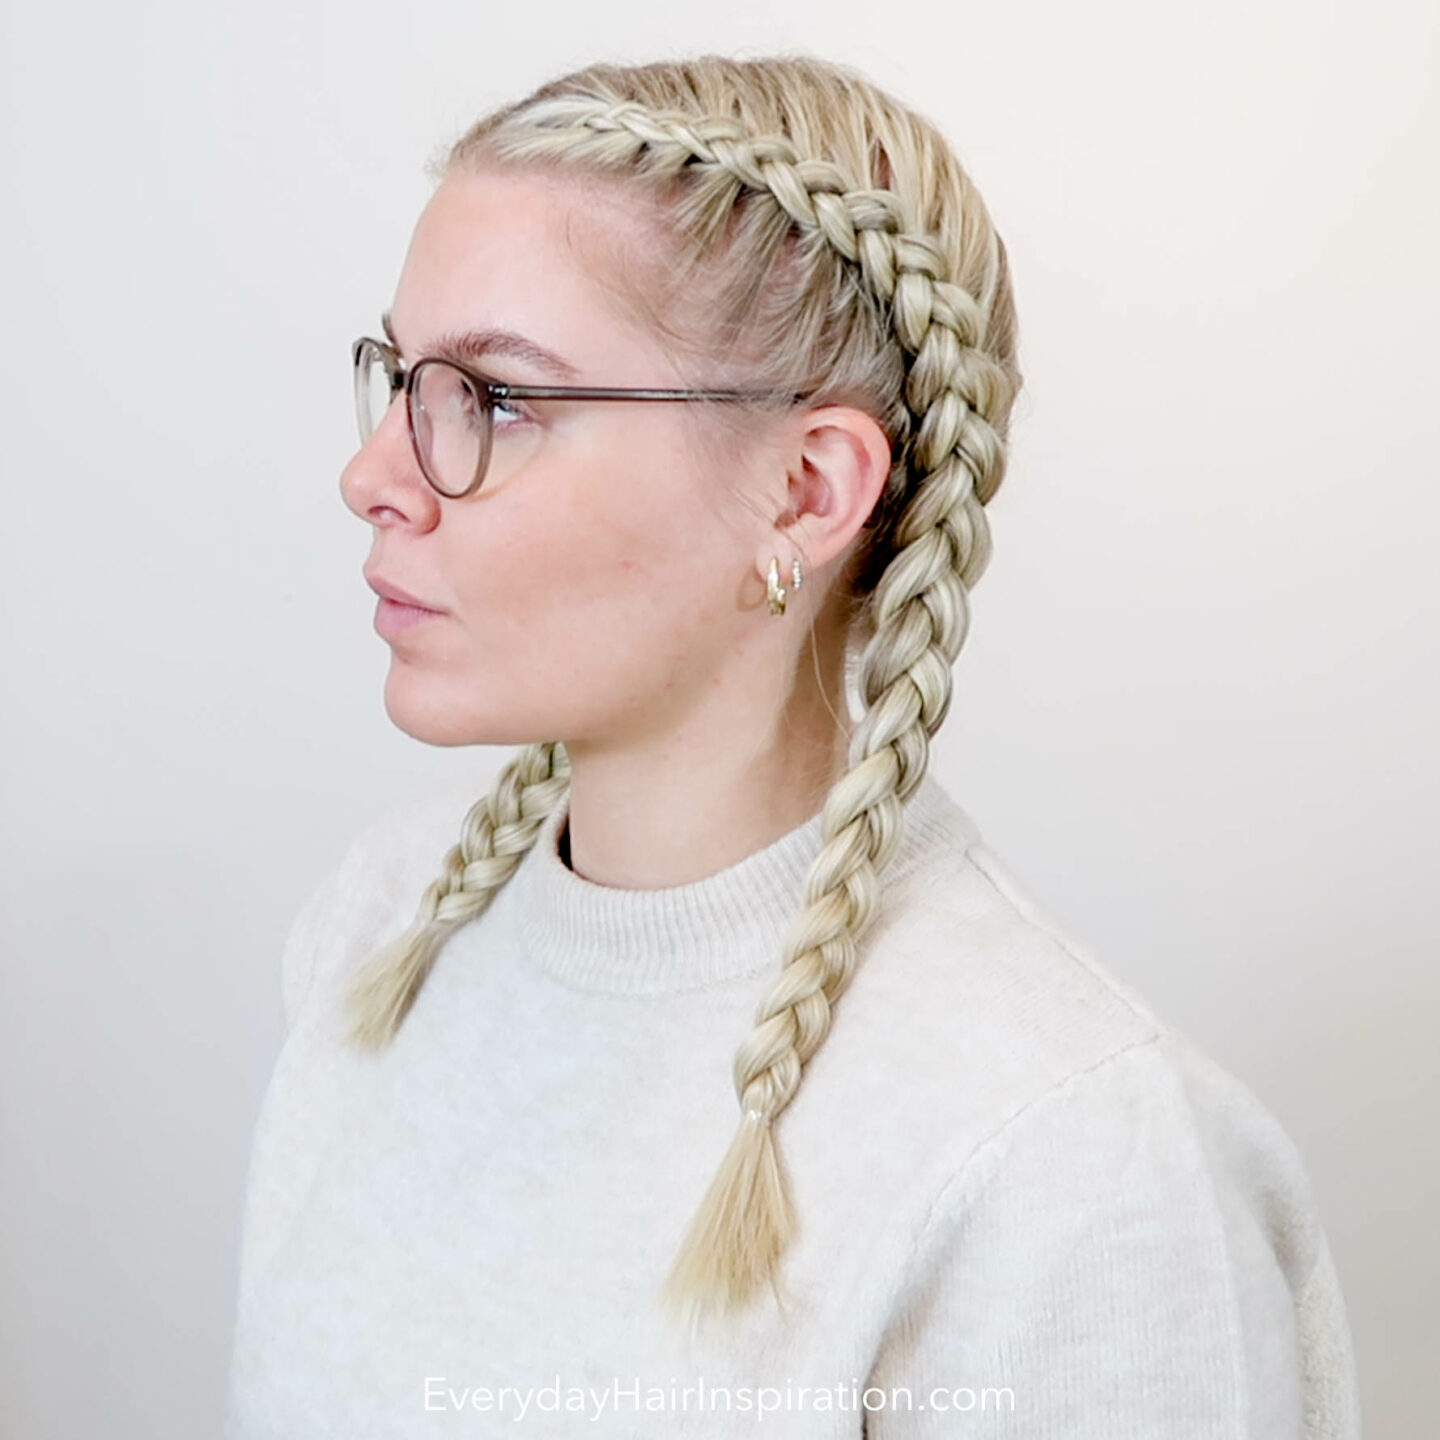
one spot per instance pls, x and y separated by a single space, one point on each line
435 714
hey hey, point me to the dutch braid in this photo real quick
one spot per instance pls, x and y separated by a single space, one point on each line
959 383
495 837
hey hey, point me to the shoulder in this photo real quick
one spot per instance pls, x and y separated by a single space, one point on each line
1153 1137
372 888
969 978
1146 1217
1011 1043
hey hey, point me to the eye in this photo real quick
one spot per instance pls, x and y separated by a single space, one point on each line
504 414
508 413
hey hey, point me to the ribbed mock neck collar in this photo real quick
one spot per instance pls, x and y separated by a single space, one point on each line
684 937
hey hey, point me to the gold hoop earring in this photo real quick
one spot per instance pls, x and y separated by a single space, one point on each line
774 590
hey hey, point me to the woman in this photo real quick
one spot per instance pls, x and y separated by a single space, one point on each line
973 1185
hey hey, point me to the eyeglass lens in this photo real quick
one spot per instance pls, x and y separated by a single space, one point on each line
449 423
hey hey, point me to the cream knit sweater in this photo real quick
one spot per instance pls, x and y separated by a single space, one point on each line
1026 1207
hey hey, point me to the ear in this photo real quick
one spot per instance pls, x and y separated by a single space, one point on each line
838 461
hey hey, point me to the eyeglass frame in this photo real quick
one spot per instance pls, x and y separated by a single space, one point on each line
402 376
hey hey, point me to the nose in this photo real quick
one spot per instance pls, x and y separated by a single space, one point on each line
383 483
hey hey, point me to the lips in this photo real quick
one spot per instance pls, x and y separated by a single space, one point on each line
388 591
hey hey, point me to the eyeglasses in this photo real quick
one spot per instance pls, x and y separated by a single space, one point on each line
451 410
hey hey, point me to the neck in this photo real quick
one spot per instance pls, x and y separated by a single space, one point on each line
670 808
649 824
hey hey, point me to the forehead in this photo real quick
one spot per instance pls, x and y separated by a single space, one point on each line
527 253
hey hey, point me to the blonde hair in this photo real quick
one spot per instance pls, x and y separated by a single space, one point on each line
827 236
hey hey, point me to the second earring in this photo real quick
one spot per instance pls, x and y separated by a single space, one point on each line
775 591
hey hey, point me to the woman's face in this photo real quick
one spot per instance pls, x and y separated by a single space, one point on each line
604 574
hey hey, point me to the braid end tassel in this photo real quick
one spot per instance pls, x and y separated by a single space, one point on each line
384 988
742 1227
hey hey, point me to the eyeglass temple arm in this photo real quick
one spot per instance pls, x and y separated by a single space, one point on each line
498 391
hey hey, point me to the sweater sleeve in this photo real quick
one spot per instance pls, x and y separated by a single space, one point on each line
301 945
353 908
341 905
1134 1255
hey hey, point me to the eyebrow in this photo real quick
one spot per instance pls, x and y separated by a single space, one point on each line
475 344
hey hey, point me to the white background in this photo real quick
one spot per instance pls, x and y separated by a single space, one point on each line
1198 712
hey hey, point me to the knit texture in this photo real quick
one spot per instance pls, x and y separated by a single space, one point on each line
1026 1206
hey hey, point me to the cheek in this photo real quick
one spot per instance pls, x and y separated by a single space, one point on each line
585 603
614 569
614 520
